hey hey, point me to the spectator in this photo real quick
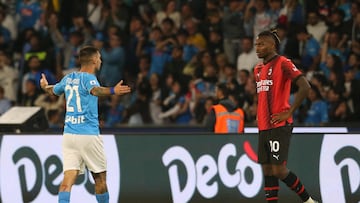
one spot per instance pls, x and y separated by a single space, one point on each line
139 112
195 38
144 66
233 28
275 7
50 102
94 8
5 34
319 80
177 64
9 21
29 13
229 74
167 27
9 78
169 12
355 35
309 51
209 102
54 119
315 26
114 115
213 23
38 48
337 22
179 111
323 9
351 93
345 6
247 58
261 18
355 9
113 58
155 103
221 62
215 43
331 62
68 49
317 113
294 12
31 93
5 103
35 70
189 49
338 108
333 45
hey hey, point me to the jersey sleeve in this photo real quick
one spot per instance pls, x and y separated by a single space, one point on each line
290 70
90 82
59 87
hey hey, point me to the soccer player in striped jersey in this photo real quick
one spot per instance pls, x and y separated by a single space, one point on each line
82 143
273 77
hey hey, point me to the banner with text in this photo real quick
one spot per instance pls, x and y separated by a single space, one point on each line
182 168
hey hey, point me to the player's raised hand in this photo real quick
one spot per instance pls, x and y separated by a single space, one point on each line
121 89
43 81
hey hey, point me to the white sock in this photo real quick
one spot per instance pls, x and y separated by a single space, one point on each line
310 200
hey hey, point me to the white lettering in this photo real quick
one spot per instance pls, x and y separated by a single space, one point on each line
75 120
206 170
252 187
229 180
199 173
264 85
181 154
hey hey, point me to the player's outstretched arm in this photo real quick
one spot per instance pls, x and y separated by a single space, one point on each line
118 89
45 85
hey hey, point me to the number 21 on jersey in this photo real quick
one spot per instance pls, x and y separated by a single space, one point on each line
73 100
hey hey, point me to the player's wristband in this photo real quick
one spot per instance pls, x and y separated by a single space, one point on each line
112 90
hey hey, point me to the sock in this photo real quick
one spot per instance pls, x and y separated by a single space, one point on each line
102 198
271 189
64 197
293 182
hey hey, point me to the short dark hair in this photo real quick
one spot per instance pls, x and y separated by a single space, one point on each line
273 34
223 88
86 53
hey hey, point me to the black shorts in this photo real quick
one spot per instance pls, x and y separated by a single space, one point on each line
273 146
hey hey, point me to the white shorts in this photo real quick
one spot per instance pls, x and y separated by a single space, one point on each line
83 150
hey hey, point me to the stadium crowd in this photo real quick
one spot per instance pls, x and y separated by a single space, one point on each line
174 52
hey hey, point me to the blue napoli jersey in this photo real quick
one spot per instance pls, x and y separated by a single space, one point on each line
81 106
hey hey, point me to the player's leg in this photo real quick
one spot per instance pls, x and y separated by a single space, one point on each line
279 144
271 183
94 157
72 166
65 187
101 191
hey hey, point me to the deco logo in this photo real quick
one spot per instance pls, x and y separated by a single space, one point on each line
31 170
340 168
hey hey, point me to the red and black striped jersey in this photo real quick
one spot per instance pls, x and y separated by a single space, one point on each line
273 83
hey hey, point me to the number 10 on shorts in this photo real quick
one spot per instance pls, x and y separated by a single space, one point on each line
274 145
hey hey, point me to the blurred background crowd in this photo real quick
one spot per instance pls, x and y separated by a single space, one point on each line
174 52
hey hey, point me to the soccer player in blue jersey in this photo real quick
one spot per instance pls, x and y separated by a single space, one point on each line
82 143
